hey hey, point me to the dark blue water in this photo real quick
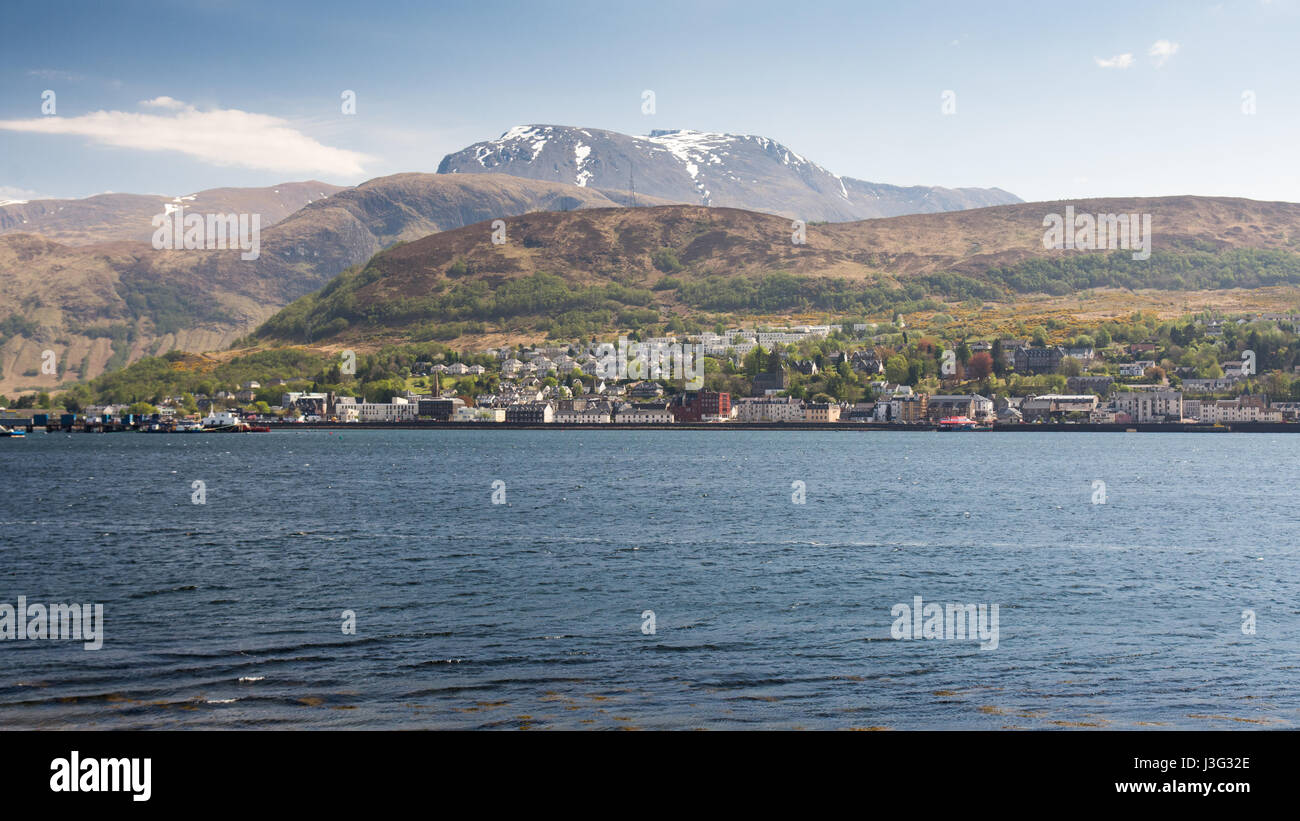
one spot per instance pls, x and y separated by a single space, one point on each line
767 613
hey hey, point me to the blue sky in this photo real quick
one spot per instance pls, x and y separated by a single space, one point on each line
172 98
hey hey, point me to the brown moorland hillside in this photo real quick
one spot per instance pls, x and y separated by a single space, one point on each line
693 258
106 304
620 243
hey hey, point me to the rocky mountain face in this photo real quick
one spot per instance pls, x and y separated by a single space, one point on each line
696 167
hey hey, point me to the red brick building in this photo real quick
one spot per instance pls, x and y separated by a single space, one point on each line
697 406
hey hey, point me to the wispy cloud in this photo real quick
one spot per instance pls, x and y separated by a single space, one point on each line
1161 51
55 74
10 194
225 137
1118 61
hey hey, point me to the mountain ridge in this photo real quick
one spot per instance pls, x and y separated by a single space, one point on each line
113 217
745 171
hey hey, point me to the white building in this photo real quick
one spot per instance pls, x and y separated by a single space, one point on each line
1135 369
589 416
771 409
480 414
1150 406
399 410
511 368
1208 385
627 415
1231 410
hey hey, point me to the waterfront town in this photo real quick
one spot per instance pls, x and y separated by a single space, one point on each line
805 375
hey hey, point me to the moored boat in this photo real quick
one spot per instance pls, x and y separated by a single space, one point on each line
238 427
230 422
961 423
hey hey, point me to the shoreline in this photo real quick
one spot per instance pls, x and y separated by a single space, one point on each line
859 427
1147 427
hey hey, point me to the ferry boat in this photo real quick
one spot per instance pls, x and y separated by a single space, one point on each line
238 427
227 422
962 423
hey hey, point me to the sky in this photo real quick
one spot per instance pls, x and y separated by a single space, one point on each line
1046 100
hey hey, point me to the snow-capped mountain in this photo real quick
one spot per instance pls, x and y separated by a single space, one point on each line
736 170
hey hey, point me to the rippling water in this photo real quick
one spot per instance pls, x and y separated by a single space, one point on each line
768 613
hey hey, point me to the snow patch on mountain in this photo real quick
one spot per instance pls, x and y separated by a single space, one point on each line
693 149
580 154
536 136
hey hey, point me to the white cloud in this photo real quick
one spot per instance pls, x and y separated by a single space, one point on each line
1118 61
166 102
1162 50
226 137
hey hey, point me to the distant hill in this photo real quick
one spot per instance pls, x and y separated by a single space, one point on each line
104 304
702 168
117 217
599 270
